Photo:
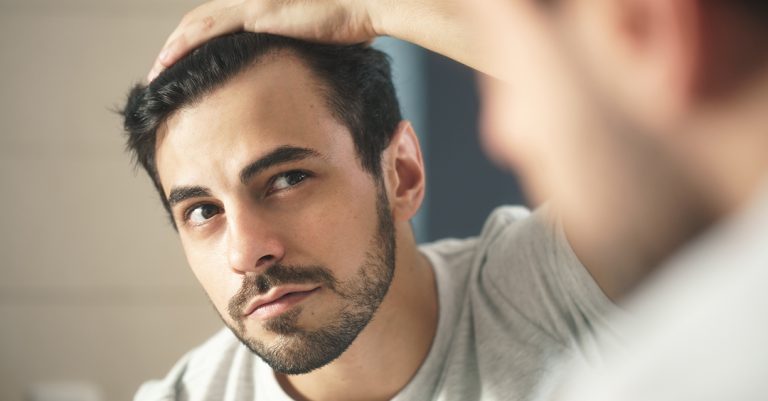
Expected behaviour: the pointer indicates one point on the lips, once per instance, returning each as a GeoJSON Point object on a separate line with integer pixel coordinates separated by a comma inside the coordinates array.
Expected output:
{"type": "Point", "coordinates": [278, 300]}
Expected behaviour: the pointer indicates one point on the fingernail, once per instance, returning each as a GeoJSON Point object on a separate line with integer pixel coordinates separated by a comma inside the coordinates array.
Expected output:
{"type": "Point", "coordinates": [163, 55]}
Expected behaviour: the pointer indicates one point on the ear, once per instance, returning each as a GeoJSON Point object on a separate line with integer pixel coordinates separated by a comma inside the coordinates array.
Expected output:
{"type": "Point", "coordinates": [403, 171]}
{"type": "Point", "coordinates": [648, 55]}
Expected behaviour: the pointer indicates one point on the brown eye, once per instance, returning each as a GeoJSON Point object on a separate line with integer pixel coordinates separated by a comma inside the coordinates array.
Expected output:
{"type": "Point", "coordinates": [202, 213]}
{"type": "Point", "coordinates": [287, 180]}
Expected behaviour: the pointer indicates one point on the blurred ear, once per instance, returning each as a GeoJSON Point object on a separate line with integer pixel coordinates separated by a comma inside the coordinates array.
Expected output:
{"type": "Point", "coordinates": [403, 170]}
{"type": "Point", "coordinates": [644, 53]}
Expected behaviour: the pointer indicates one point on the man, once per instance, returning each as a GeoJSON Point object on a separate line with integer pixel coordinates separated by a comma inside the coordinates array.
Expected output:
{"type": "Point", "coordinates": [291, 179]}
{"type": "Point", "coordinates": [645, 121]}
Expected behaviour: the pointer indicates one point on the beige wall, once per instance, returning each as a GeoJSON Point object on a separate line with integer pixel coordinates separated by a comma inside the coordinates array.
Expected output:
{"type": "Point", "coordinates": [93, 284]}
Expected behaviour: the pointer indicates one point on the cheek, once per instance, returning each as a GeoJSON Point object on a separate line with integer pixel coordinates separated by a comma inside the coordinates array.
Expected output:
{"type": "Point", "coordinates": [495, 124]}
{"type": "Point", "coordinates": [209, 265]}
{"type": "Point", "coordinates": [499, 133]}
{"type": "Point", "coordinates": [510, 134]}
{"type": "Point", "coordinates": [335, 231]}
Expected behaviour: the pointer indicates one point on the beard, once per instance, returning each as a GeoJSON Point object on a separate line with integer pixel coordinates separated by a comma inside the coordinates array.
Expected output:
{"type": "Point", "coordinates": [298, 350]}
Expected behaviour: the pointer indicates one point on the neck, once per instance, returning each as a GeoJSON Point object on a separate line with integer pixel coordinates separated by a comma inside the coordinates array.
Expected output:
{"type": "Point", "coordinates": [646, 206]}
{"type": "Point", "coordinates": [706, 169]}
{"type": "Point", "coordinates": [388, 352]}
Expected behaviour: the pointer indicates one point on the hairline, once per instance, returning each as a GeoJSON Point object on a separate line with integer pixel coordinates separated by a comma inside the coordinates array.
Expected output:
{"type": "Point", "coordinates": [319, 84]}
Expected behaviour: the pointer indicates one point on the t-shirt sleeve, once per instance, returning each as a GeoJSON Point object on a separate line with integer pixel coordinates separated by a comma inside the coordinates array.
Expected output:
{"type": "Point", "coordinates": [530, 270]}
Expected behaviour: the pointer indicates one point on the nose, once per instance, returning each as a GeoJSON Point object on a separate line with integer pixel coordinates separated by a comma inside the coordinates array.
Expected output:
{"type": "Point", "coordinates": [253, 244]}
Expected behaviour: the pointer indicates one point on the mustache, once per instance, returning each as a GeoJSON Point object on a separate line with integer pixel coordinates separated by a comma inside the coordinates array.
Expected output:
{"type": "Point", "coordinates": [276, 275]}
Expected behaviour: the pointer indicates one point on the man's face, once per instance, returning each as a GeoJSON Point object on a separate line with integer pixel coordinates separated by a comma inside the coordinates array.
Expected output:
{"type": "Point", "coordinates": [543, 116]}
{"type": "Point", "coordinates": [291, 239]}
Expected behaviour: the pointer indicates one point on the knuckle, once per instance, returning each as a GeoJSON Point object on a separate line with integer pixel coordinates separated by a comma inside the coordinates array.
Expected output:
{"type": "Point", "coordinates": [208, 22]}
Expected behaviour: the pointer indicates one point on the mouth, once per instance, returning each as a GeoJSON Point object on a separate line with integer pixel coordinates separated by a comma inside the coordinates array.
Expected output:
{"type": "Point", "coordinates": [277, 301]}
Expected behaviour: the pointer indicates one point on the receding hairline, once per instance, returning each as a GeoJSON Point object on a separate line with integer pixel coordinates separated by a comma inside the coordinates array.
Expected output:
{"type": "Point", "coordinates": [272, 55]}
{"type": "Point", "coordinates": [318, 84]}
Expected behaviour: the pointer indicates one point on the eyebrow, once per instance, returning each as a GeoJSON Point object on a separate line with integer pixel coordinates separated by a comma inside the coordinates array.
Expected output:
{"type": "Point", "coordinates": [283, 154]}
{"type": "Point", "coordinates": [180, 194]}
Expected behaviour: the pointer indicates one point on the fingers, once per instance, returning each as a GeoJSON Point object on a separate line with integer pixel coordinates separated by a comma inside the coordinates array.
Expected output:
{"type": "Point", "coordinates": [199, 26]}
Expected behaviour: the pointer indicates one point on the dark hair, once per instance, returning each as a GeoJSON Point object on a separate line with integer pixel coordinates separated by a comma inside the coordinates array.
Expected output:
{"type": "Point", "coordinates": [355, 79]}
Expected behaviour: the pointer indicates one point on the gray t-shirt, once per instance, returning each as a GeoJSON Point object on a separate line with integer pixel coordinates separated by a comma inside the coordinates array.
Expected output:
{"type": "Point", "coordinates": [510, 302]}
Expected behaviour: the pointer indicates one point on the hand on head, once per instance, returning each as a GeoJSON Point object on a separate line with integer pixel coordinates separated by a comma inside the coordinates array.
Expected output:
{"type": "Point", "coordinates": [333, 21]}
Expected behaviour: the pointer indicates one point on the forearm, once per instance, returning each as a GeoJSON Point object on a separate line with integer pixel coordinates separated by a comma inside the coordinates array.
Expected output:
{"type": "Point", "coordinates": [442, 26]}
{"type": "Point", "coordinates": [487, 35]}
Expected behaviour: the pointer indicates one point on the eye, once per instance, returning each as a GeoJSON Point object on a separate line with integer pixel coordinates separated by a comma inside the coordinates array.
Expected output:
{"type": "Point", "coordinates": [200, 214]}
{"type": "Point", "coordinates": [287, 180]}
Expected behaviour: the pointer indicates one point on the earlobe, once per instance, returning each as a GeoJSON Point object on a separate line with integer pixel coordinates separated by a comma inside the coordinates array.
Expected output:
{"type": "Point", "coordinates": [404, 170]}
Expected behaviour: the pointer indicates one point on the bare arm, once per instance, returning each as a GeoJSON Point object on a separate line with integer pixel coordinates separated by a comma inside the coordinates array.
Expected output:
{"type": "Point", "coordinates": [453, 28]}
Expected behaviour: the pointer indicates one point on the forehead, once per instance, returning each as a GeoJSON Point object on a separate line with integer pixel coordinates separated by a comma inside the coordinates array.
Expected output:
{"type": "Point", "coordinates": [276, 102]}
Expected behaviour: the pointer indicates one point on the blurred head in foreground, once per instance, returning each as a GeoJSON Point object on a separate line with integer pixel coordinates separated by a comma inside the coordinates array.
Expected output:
{"type": "Point", "coordinates": [643, 119]}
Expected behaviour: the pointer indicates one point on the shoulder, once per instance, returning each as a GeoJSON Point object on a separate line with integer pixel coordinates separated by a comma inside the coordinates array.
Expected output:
{"type": "Point", "coordinates": [503, 218]}
{"type": "Point", "coordinates": [203, 370]}
{"type": "Point", "coordinates": [515, 238]}
{"type": "Point", "coordinates": [452, 251]}
{"type": "Point", "coordinates": [529, 267]}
